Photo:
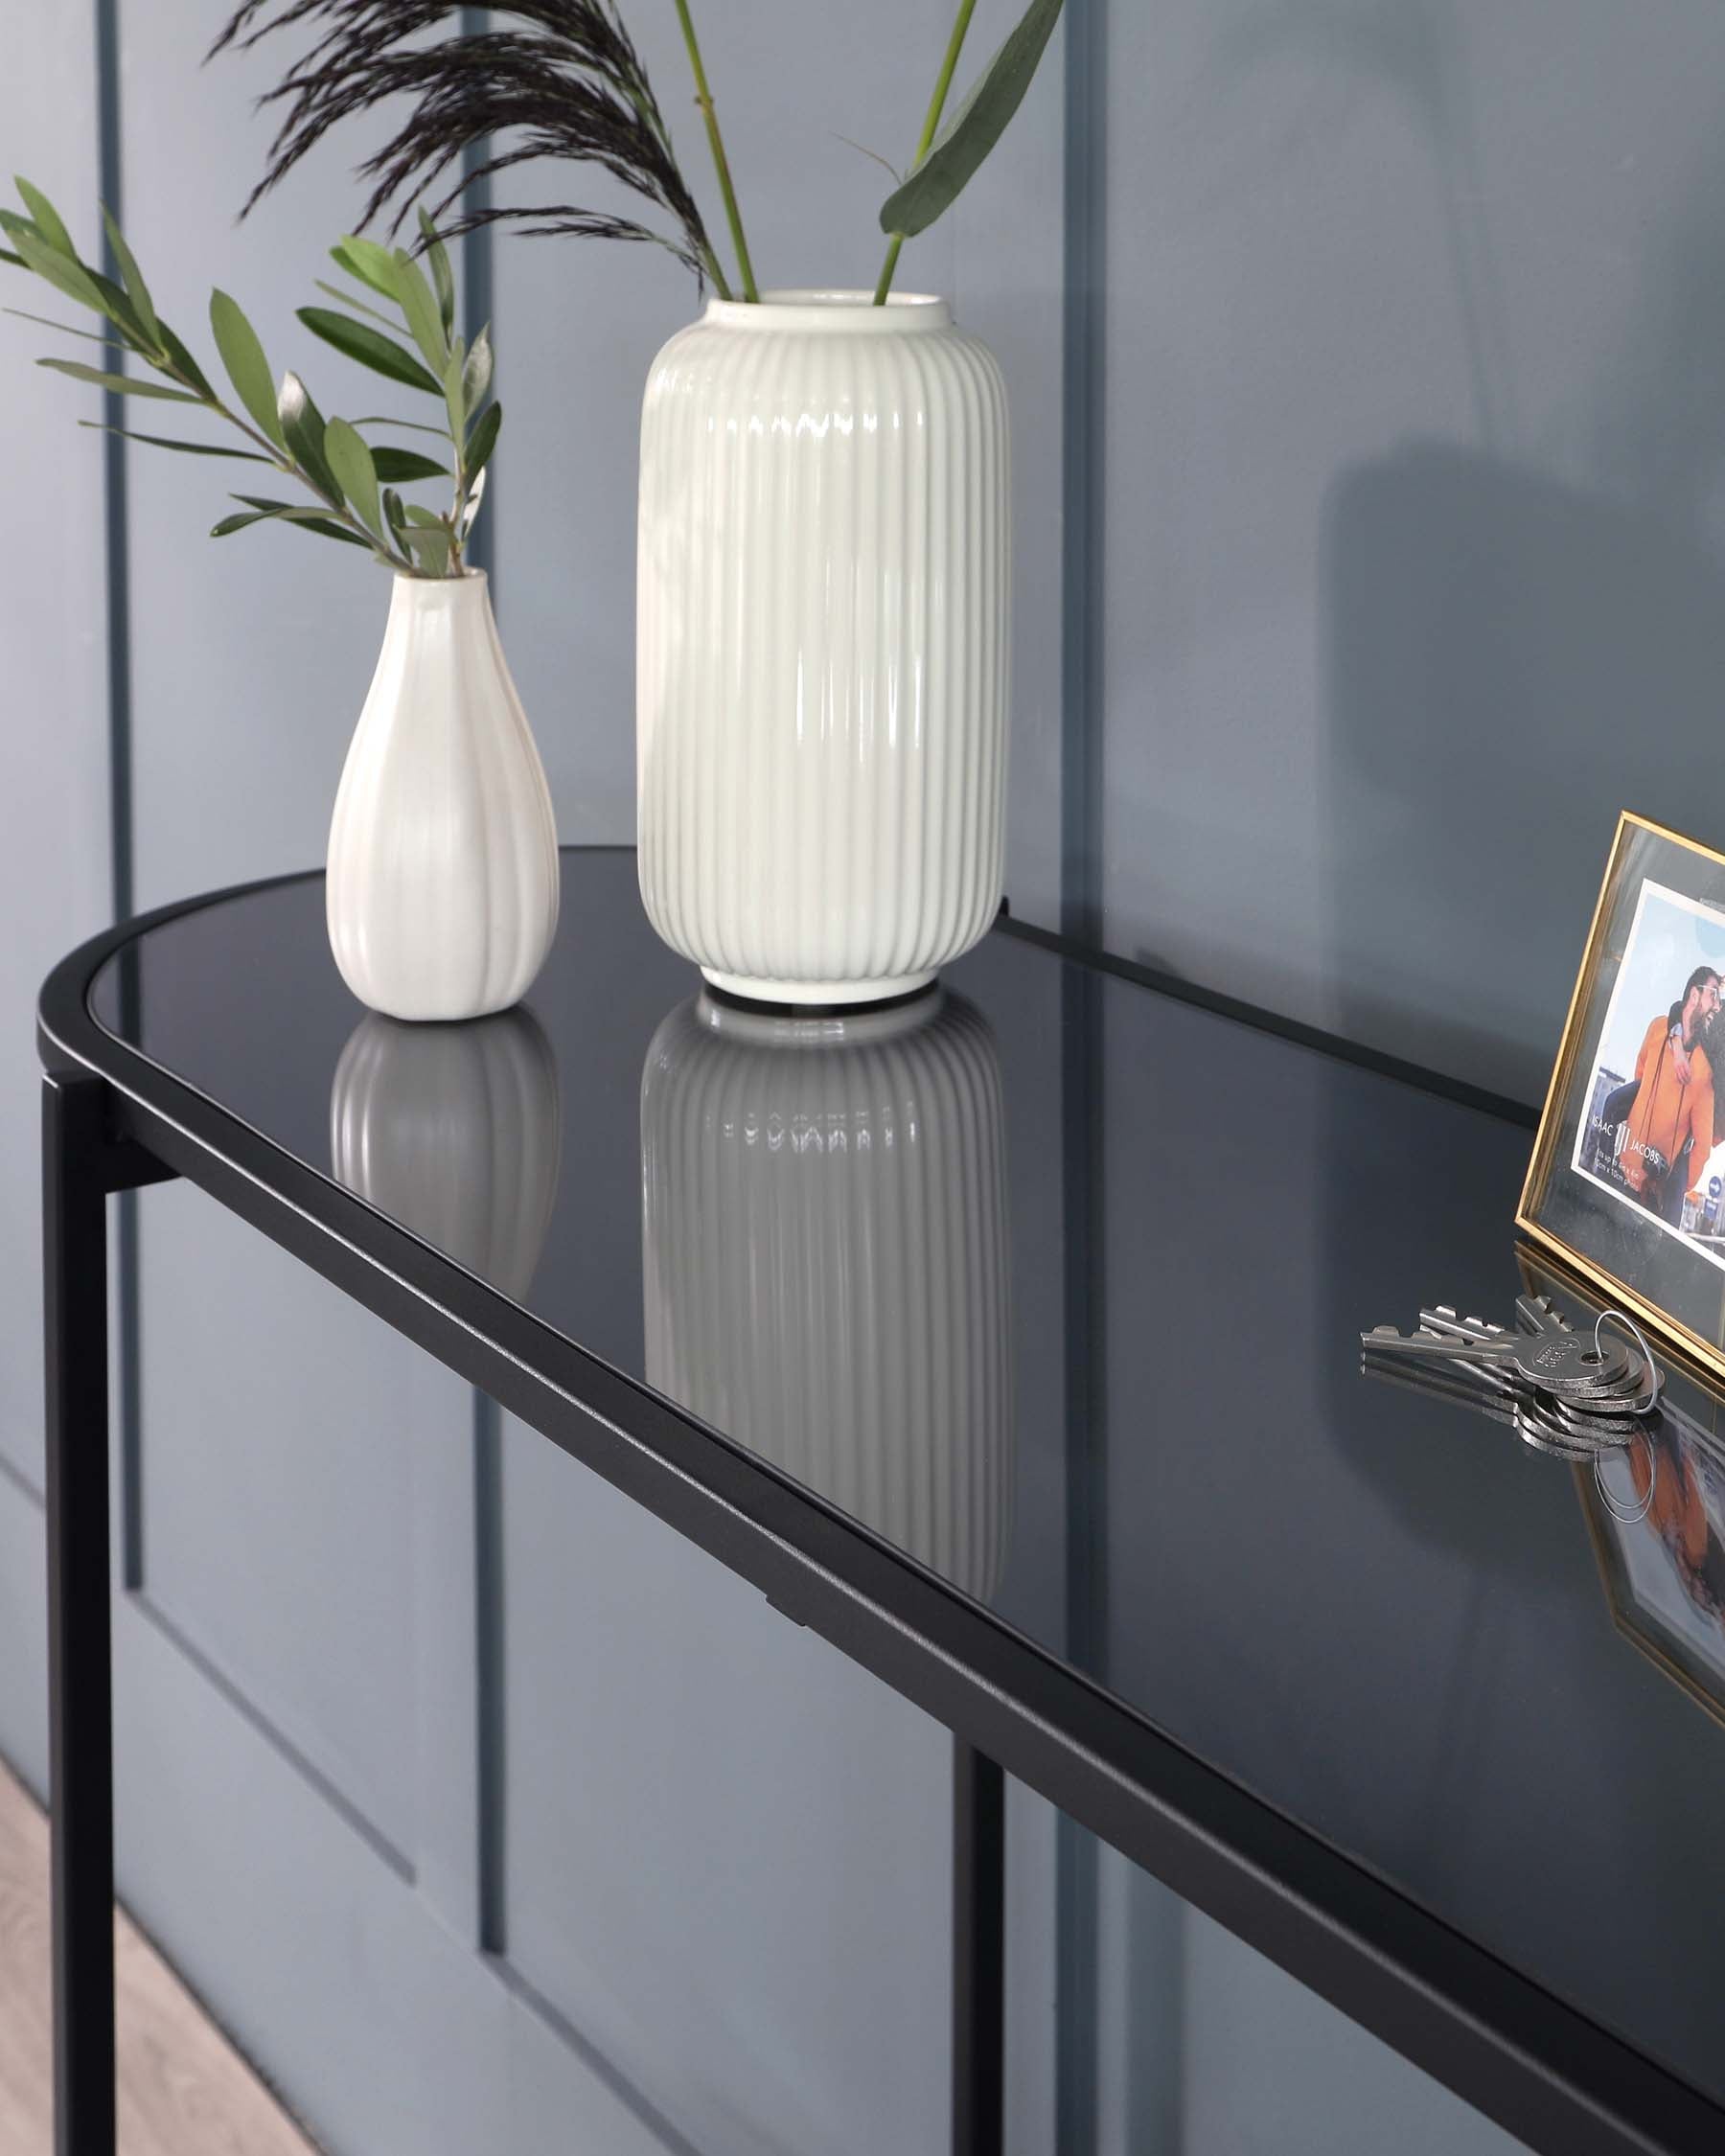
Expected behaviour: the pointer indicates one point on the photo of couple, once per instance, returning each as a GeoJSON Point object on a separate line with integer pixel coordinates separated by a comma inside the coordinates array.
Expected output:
{"type": "Point", "coordinates": [1653, 1132]}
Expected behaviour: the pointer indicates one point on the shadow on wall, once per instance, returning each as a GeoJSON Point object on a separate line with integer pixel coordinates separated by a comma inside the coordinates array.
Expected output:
{"type": "Point", "coordinates": [1509, 662]}
{"type": "Point", "coordinates": [1416, 51]}
{"type": "Point", "coordinates": [1658, 436]}
{"type": "Point", "coordinates": [1511, 659]}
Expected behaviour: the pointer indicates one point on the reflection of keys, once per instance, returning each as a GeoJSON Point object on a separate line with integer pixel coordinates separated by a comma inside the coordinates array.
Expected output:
{"type": "Point", "coordinates": [1439, 1383]}
{"type": "Point", "coordinates": [1501, 1397]}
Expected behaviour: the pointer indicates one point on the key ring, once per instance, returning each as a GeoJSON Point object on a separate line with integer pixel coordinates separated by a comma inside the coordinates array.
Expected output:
{"type": "Point", "coordinates": [1626, 1518]}
{"type": "Point", "coordinates": [1630, 1326]}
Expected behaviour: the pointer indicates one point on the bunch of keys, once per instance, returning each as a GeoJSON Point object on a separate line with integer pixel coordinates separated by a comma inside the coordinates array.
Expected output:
{"type": "Point", "coordinates": [1575, 1394]}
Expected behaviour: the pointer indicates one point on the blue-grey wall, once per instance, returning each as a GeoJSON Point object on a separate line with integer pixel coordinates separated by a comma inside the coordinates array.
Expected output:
{"type": "Point", "coordinates": [1408, 529]}
{"type": "Point", "coordinates": [1367, 363]}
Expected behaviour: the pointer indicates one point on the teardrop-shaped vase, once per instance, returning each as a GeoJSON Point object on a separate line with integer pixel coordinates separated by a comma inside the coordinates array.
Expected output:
{"type": "Point", "coordinates": [442, 889]}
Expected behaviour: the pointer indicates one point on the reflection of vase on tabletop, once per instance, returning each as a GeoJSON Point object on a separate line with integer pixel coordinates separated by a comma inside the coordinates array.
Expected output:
{"type": "Point", "coordinates": [456, 1131]}
{"type": "Point", "coordinates": [825, 1259]}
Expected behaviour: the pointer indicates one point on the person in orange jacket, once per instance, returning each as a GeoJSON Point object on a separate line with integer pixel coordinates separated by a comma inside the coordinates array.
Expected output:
{"type": "Point", "coordinates": [1673, 1103]}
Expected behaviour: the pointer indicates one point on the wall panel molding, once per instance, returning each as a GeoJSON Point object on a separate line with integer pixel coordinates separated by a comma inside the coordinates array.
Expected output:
{"type": "Point", "coordinates": [53, 746]}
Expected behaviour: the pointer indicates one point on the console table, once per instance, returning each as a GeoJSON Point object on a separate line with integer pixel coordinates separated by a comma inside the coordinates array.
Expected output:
{"type": "Point", "coordinates": [1008, 1339]}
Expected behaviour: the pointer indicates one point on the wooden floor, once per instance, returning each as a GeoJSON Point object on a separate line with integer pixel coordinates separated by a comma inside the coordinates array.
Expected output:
{"type": "Point", "coordinates": [183, 2090]}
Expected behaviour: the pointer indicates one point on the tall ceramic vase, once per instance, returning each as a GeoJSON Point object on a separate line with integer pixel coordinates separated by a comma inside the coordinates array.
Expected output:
{"type": "Point", "coordinates": [442, 889]}
{"type": "Point", "coordinates": [822, 655]}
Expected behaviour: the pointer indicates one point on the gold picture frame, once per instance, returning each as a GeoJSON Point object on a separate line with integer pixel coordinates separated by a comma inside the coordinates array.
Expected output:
{"type": "Point", "coordinates": [1662, 902]}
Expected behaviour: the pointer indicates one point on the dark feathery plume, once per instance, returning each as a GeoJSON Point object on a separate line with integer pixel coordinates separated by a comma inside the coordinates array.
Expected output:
{"type": "Point", "coordinates": [566, 83]}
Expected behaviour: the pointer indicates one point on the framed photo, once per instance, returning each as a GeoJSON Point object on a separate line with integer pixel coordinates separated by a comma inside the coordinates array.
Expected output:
{"type": "Point", "coordinates": [1627, 1180]}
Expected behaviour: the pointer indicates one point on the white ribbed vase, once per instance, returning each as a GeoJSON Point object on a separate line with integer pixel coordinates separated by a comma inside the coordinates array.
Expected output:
{"type": "Point", "coordinates": [824, 1257]}
{"type": "Point", "coordinates": [822, 643]}
{"type": "Point", "coordinates": [442, 889]}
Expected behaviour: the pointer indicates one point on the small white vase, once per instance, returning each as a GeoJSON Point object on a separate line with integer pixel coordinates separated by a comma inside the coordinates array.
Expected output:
{"type": "Point", "coordinates": [822, 643]}
{"type": "Point", "coordinates": [442, 885]}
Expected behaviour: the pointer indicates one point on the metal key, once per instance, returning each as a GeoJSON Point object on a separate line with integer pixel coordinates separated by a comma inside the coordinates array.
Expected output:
{"type": "Point", "coordinates": [1444, 1321]}
{"type": "Point", "coordinates": [1553, 1359]}
{"type": "Point", "coordinates": [1592, 1376]}
{"type": "Point", "coordinates": [1539, 1317]}
{"type": "Point", "coordinates": [1635, 1395]}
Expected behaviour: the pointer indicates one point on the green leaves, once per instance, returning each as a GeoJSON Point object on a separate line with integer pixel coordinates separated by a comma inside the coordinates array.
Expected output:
{"type": "Point", "coordinates": [165, 441]}
{"type": "Point", "coordinates": [351, 461]}
{"type": "Point", "coordinates": [365, 260]}
{"type": "Point", "coordinates": [43, 244]}
{"type": "Point", "coordinates": [972, 132]}
{"type": "Point", "coordinates": [477, 374]}
{"type": "Point", "coordinates": [350, 485]}
{"type": "Point", "coordinates": [136, 290]}
{"type": "Point", "coordinates": [184, 365]}
{"type": "Point", "coordinates": [347, 299]}
{"type": "Point", "coordinates": [65, 328]}
{"type": "Point", "coordinates": [413, 295]}
{"type": "Point", "coordinates": [248, 370]}
{"type": "Point", "coordinates": [430, 543]}
{"type": "Point", "coordinates": [443, 277]}
{"type": "Point", "coordinates": [302, 425]}
{"type": "Point", "coordinates": [259, 510]}
{"type": "Point", "coordinates": [453, 402]}
{"type": "Point", "coordinates": [411, 427]}
{"type": "Point", "coordinates": [358, 340]}
{"type": "Point", "coordinates": [404, 465]}
{"type": "Point", "coordinates": [63, 271]}
{"type": "Point", "coordinates": [46, 217]}
{"type": "Point", "coordinates": [238, 524]}
{"type": "Point", "coordinates": [125, 385]}
{"type": "Point", "coordinates": [484, 441]}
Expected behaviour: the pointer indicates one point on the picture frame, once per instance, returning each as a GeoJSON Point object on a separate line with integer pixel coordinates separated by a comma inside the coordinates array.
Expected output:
{"type": "Point", "coordinates": [1626, 1183]}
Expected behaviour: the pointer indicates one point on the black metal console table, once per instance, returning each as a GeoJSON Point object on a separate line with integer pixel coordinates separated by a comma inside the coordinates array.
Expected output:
{"type": "Point", "coordinates": [1007, 1341]}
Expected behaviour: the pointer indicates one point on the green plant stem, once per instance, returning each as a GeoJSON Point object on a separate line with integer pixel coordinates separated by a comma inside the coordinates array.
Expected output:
{"type": "Point", "coordinates": [936, 107]}
{"type": "Point", "coordinates": [887, 269]}
{"type": "Point", "coordinates": [704, 96]}
{"type": "Point", "coordinates": [458, 444]}
{"type": "Point", "coordinates": [715, 269]}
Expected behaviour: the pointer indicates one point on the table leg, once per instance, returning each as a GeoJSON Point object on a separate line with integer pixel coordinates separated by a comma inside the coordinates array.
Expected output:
{"type": "Point", "coordinates": [80, 1734]}
{"type": "Point", "coordinates": [979, 1952]}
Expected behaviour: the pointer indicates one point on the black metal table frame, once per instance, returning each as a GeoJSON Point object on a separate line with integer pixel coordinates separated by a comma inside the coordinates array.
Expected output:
{"type": "Point", "coordinates": [114, 1121]}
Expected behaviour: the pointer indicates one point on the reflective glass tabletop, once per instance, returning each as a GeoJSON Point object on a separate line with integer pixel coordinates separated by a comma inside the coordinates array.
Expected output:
{"type": "Point", "coordinates": [1055, 1281]}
